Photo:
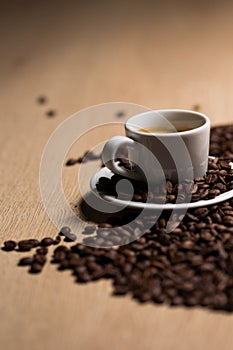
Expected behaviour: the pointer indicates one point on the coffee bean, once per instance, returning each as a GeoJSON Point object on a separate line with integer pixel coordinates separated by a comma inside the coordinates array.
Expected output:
{"type": "Point", "coordinates": [120, 114]}
{"type": "Point", "coordinates": [89, 155]}
{"type": "Point", "coordinates": [39, 258]}
{"type": "Point", "coordinates": [59, 256]}
{"type": "Point", "coordinates": [25, 245]}
{"type": "Point", "coordinates": [35, 268]}
{"type": "Point", "coordinates": [42, 250]}
{"type": "Point", "coordinates": [221, 186]}
{"type": "Point", "coordinates": [65, 230]}
{"type": "Point", "coordinates": [201, 212]}
{"type": "Point", "coordinates": [34, 242]}
{"type": "Point", "coordinates": [42, 100]}
{"type": "Point", "coordinates": [51, 113]}
{"type": "Point", "coordinates": [64, 265]}
{"type": "Point", "coordinates": [89, 230]}
{"type": "Point", "coordinates": [47, 241]}
{"type": "Point", "coordinates": [70, 237]}
{"type": "Point", "coordinates": [105, 225]}
{"type": "Point", "coordinates": [57, 240]}
{"type": "Point", "coordinates": [71, 161]}
{"type": "Point", "coordinates": [61, 248]}
{"type": "Point", "coordinates": [188, 245]}
{"type": "Point", "coordinates": [25, 261]}
{"type": "Point", "coordinates": [9, 245]}
{"type": "Point", "coordinates": [206, 235]}
{"type": "Point", "coordinates": [196, 107]}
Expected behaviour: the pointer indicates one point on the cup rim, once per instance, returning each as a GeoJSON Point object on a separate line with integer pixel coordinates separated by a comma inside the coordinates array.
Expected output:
{"type": "Point", "coordinates": [187, 132]}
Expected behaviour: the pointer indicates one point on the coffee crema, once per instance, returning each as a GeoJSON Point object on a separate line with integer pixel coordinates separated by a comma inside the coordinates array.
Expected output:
{"type": "Point", "coordinates": [164, 130]}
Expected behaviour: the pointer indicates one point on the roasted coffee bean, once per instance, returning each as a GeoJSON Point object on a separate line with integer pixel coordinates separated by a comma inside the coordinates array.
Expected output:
{"type": "Point", "coordinates": [206, 235]}
{"type": "Point", "coordinates": [89, 230]}
{"type": "Point", "coordinates": [47, 241]}
{"type": "Point", "coordinates": [57, 240]}
{"type": "Point", "coordinates": [63, 265]}
{"type": "Point", "coordinates": [34, 242]}
{"type": "Point", "coordinates": [71, 161]}
{"type": "Point", "coordinates": [51, 113]}
{"type": "Point", "coordinates": [59, 256]}
{"type": "Point", "coordinates": [201, 212]}
{"type": "Point", "coordinates": [42, 100]}
{"type": "Point", "coordinates": [81, 160]}
{"type": "Point", "coordinates": [217, 217]}
{"type": "Point", "coordinates": [25, 245]}
{"type": "Point", "coordinates": [42, 250]}
{"type": "Point", "coordinates": [61, 248]}
{"type": "Point", "coordinates": [39, 258]}
{"type": "Point", "coordinates": [89, 155]}
{"type": "Point", "coordinates": [120, 114]}
{"type": "Point", "coordinates": [196, 107]}
{"type": "Point", "coordinates": [105, 225]}
{"type": "Point", "coordinates": [9, 245]}
{"type": "Point", "coordinates": [220, 186]}
{"type": "Point", "coordinates": [26, 261]}
{"type": "Point", "coordinates": [65, 230]}
{"type": "Point", "coordinates": [70, 237]}
{"type": "Point", "coordinates": [36, 268]}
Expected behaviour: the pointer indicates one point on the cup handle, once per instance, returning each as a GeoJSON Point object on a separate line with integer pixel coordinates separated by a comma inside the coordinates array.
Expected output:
{"type": "Point", "coordinates": [109, 156]}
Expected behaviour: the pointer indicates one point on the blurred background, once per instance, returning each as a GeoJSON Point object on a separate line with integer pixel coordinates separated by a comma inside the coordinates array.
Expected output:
{"type": "Point", "coordinates": [161, 54]}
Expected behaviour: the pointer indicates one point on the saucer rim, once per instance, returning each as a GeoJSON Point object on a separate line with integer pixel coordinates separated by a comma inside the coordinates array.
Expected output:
{"type": "Point", "coordinates": [153, 206]}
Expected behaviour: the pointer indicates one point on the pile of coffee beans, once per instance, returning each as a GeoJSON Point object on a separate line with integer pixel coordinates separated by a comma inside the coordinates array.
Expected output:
{"type": "Point", "coordinates": [191, 266]}
{"type": "Point", "coordinates": [221, 144]}
{"type": "Point", "coordinates": [218, 179]}
{"type": "Point", "coordinates": [37, 261]}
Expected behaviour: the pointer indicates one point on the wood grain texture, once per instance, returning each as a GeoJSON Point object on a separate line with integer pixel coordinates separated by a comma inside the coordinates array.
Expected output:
{"type": "Point", "coordinates": [157, 55]}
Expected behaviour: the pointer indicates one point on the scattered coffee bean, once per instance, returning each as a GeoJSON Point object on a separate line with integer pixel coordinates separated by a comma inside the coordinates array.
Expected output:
{"type": "Point", "coordinates": [42, 250]}
{"type": "Point", "coordinates": [41, 100]}
{"type": "Point", "coordinates": [89, 155]}
{"type": "Point", "coordinates": [25, 245]}
{"type": "Point", "coordinates": [65, 230]}
{"type": "Point", "coordinates": [57, 240]}
{"type": "Point", "coordinates": [70, 237]}
{"type": "Point", "coordinates": [39, 258]}
{"type": "Point", "coordinates": [71, 161]}
{"type": "Point", "coordinates": [89, 230]}
{"type": "Point", "coordinates": [47, 241]}
{"type": "Point", "coordinates": [51, 113]}
{"type": "Point", "coordinates": [196, 107]}
{"type": "Point", "coordinates": [25, 261]}
{"type": "Point", "coordinates": [36, 268]}
{"type": "Point", "coordinates": [9, 245]}
{"type": "Point", "coordinates": [120, 114]}
{"type": "Point", "coordinates": [34, 242]}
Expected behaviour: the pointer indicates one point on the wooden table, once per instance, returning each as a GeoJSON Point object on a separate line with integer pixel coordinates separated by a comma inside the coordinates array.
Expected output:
{"type": "Point", "coordinates": [159, 56]}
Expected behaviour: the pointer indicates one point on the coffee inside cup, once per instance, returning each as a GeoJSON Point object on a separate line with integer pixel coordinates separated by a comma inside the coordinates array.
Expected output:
{"type": "Point", "coordinates": [165, 130]}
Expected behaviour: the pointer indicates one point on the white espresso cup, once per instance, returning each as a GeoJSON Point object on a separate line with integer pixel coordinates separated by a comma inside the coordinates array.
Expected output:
{"type": "Point", "coordinates": [170, 143]}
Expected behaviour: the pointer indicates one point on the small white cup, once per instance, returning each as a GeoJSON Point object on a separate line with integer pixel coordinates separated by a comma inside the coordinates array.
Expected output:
{"type": "Point", "coordinates": [180, 155]}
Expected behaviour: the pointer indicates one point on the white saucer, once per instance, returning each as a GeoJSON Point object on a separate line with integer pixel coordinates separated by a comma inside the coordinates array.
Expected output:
{"type": "Point", "coordinates": [105, 172]}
